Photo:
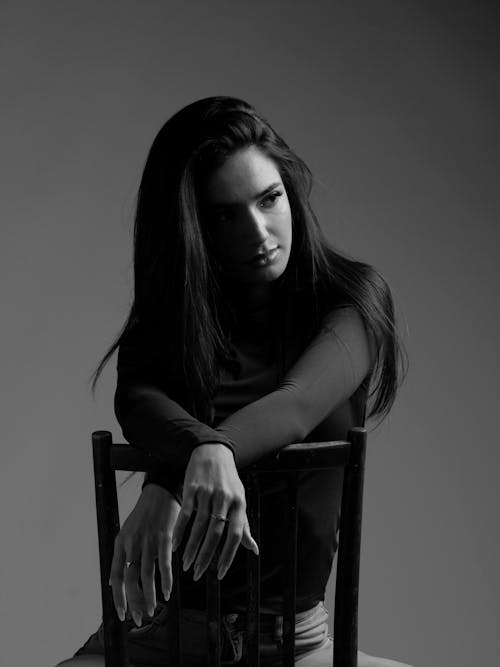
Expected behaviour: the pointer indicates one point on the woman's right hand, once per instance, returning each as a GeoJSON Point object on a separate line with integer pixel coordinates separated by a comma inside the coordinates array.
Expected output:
{"type": "Point", "coordinates": [146, 534]}
{"type": "Point", "coordinates": [214, 492]}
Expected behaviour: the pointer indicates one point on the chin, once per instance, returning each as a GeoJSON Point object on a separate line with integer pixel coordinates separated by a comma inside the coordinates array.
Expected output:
{"type": "Point", "coordinates": [266, 275]}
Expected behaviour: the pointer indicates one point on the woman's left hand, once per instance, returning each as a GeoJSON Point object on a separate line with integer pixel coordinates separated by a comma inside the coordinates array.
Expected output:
{"type": "Point", "coordinates": [214, 491]}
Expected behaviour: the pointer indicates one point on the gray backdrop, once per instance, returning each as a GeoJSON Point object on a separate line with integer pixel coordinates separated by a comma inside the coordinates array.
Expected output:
{"type": "Point", "coordinates": [394, 105]}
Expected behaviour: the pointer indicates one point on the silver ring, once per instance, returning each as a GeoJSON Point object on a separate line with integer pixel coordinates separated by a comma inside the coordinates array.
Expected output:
{"type": "Point", "coordinates": [129, 563]}
{"type": "Point", "coordinates": [219, 517]}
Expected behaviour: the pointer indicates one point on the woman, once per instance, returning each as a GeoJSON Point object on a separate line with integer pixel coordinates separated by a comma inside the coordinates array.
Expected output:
{"type": "Point", "coordinates": [247, 333]}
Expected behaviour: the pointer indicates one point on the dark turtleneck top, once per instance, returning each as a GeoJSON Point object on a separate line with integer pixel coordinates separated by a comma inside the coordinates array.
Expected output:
{"type": "Point", "coordinates": [254, 413]}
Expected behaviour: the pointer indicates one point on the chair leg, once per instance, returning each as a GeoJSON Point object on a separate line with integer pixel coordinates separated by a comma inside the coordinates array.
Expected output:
{"type": "Point", "coordinates": [108, 525]}
{"type": "Point", "coordinates": [345, 633]}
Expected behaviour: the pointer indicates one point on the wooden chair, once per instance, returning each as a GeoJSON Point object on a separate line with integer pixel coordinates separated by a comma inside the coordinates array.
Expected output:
{"type": "Point", "coordinates": [350, 455]}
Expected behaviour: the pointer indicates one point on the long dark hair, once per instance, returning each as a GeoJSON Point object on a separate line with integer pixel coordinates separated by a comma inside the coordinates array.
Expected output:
{"type": "Point", "coordinates": [178, 289]}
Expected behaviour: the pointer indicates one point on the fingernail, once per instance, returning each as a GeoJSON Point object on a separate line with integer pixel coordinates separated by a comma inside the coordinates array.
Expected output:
{"type": "Point", "coordinates": [185, 564]}
{"type": "Point", "coordinates": [151, 611]}
{"type": "Point", "coordinates": [221, 572]}
{"type": "Point", "coordinates": [166, 594]}
{"type": "Point", "coordinates": [121, 613]}
{"type": "Point", "coordinates": [256, 550]}
{"type": "Point", "coordinates": [137, 618]}
{"type": "Point", "coordinates": [197, 573]}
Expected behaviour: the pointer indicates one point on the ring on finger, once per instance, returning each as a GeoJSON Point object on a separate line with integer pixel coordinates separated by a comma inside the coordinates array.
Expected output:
{"type": "Point", "coordinates": [129, 563]}
{"type": "Point", "coordinates": [219, 517]}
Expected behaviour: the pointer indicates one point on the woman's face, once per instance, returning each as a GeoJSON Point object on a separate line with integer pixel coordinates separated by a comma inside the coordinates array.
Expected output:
{"type": "Point", "coordinates": [248, 217]}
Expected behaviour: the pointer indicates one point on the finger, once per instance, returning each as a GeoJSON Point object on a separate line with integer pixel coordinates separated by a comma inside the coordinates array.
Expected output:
{"type": "Point", "coordinates": [215, 531]}
{"type": "Point", "coordinates": [116, 579]}
{"type": "Point", "coordinates": [187, 509]}
{"type": "Point", "coordinates": [234, 534]}
{"type": "Point", "coordinates": [247, 540]}
{"type": "Point", "coordinates": [147, 579]}
{"type": "Point", "coordinates": [198, 530]}
{"type": "Point", "coordinates": [134, 595]}
{"type": "Point", "coordinates": [165, 564]}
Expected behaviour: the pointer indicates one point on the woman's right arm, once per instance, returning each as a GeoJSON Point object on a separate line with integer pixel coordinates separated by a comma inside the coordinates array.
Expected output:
{"type": "Point", "coordinates": [197, 454]}
{"type": "Point", "coordinates": [149, 418]}
{"type": "Point", "coordinates": [146, 536]}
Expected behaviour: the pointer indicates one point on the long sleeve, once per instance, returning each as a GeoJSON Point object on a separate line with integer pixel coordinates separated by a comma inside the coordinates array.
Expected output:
{"type": "Point", "coordinates": [327, 373]}
{"type": "Point", "coordinates": [150, 419]}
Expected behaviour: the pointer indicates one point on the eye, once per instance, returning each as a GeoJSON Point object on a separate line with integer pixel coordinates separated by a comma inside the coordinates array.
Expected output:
{"type": "Point", "coordinates": [270, 200]}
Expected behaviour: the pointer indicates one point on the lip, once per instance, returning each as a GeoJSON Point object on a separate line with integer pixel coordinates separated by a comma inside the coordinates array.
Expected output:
{"type": "Point", "coordinates": [264, 258]}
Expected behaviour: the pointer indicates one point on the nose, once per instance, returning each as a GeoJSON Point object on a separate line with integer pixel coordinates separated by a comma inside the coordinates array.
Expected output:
{"type": "Point", "coordinates": [256, 231]}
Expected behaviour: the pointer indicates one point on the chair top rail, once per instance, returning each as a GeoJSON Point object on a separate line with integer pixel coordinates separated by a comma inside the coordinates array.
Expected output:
{"type": "Point", "coordinates": [305, 455]}
{"type": "Point", "coordinates": [298, 456]}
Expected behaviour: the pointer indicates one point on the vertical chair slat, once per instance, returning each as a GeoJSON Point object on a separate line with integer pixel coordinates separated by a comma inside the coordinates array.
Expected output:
{"type": "Point", "coordinates": [213, 613]}
{"type": "Point", "coordinates": [253, 571]}
{"type": "Point", "coordinates": [173, 616]}
{"type": "Point", "coordinates": [289, 597]}
{"type": "Point", "coordinates": [108, 525]}
{"type": "Point", "coordinates": [345, 632]}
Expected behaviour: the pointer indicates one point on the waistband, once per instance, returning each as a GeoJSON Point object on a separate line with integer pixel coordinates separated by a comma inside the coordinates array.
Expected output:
{"type": "Point", "coordinates": [307, 623]}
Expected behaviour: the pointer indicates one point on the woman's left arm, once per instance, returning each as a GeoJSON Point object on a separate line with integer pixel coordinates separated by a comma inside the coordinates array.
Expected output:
{"type": "Point", "coordinates": [327, 373]}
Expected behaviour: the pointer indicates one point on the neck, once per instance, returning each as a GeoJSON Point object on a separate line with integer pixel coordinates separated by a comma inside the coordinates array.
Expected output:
{"type": "Point", "coordinates": [249, 298]}
{"type": "Point", "coordinates": [256, 296]}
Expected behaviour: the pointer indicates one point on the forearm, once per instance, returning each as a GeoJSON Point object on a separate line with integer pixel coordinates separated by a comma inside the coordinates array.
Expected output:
{"type": "Point", "coordinates": [152, 418]}
{"type": "Point", "coordinates": [325, 376]}
{"type": "Point", "coordinates": [151, 421]}
{"type": "Point", "coordinates": [262, 427]}
{"type": "Point", "coordinates": [167, 482]}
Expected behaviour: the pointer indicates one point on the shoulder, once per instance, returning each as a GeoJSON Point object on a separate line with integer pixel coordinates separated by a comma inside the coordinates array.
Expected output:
{"type": "Point", "coordinates": [344, 326]}
{"type": "Point", "coordinates": [340, 315]}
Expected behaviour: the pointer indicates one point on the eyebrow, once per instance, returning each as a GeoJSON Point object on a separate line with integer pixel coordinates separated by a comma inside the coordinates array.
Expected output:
{"type": "Point", "coordinates": [264, 192]}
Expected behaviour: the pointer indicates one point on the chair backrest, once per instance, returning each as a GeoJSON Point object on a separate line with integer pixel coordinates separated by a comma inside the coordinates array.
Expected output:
{"type": "Point", "coordinates": [289, 461]}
